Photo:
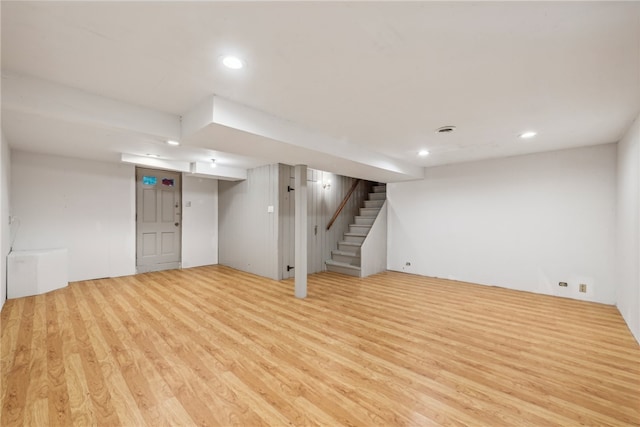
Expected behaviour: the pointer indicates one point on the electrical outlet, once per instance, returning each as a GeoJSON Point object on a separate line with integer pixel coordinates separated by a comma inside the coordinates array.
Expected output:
{"type": "Point", "coordinates": [408, 264]}
{"type": "Point", "coordinates": [583, 287]}
{"type": "Point", "coordinates": [563, 284]}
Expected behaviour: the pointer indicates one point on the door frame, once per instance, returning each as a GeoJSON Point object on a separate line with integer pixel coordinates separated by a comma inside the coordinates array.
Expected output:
{"type": "Point", "coordinates": [166, 266]}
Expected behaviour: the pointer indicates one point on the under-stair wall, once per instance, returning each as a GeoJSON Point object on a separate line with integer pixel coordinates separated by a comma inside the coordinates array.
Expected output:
{"type": "Point", "coordinates": [373, 253]}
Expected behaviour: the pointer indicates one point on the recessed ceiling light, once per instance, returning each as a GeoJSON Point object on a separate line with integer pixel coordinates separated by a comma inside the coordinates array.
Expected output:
{"type": "Point", "coordinates": [528, 134]}
{"type": "Point", "coordinates": [233, 62]}
{"type": "Point", "coordinates": [423, 153]}
{"type": "Point", "coordinates": [213, 163]}
{"type": "Point", "coordinates": [171, 142]}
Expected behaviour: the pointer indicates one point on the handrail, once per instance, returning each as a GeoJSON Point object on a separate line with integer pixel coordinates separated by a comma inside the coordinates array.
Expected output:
{"type": "Point", "coordinates": [344, 203]}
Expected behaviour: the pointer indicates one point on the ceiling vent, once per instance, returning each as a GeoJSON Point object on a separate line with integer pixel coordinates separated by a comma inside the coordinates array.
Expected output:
{"type": "Point", "coordinates": [446, 129]}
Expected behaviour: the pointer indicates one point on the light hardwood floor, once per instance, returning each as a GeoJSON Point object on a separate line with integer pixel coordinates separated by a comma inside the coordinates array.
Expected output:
{"type": "Point", "coordinates": [214, 346]}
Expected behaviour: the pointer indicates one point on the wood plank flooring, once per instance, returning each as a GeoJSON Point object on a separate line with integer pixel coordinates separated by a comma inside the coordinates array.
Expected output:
{"type": "Point", "coordinates": [214, 346]}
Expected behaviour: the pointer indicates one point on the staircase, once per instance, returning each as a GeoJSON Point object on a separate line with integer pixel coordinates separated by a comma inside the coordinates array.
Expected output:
{"type": "Point", "coordinates": [346, 259]}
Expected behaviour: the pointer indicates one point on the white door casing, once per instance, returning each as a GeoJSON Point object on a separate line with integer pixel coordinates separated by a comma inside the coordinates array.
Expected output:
{"type": "Point", "coordinates": [158, 220]}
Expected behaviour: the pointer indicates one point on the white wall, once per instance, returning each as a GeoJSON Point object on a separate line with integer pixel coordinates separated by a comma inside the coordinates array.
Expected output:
{"type": "Point", "coordinates": [248, 233]}
{"type": "Point", "coordinates": [628, 250]}
{"type": "Point", "coordinates": [199, 221]}
{"type": "Point", "coordinates": [5, 227]}
{"type": "Point", "coordinates": [525, 222]}
{"type": "Point", "coordinates": [85, 206]}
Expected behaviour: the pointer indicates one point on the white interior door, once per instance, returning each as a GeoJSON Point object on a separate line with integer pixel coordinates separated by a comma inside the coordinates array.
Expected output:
{"type": "Point", "coordinates": [158, 220]}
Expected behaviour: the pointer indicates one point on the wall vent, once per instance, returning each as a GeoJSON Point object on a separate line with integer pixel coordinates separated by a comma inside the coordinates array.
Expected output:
{"type": "Point", "coordinates": [446, 129]}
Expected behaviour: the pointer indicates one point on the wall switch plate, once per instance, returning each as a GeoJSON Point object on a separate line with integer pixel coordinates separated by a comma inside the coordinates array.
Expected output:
{"type": "Point", "coordinates": [563, 284]}
{"type": "Point", "coordinates": [269, 209]}
{"type": "Point", "coordinates": [583, 287]}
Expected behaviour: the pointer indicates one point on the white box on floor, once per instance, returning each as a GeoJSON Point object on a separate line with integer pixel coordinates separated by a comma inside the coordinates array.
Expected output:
{"type": "Point", "coordinates": [36, 272]}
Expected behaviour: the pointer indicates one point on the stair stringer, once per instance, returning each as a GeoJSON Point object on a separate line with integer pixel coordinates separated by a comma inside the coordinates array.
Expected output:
{"type": "Point", "coordinates": [373, 252]}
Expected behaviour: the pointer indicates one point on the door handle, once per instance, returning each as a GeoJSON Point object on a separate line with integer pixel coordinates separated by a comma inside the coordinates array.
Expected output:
{"type": "Point", "coordinates": [176, 224]}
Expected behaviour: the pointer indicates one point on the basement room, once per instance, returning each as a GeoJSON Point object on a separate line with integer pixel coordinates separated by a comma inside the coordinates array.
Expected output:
{"type": "Point", "coordinates": [307, 213]}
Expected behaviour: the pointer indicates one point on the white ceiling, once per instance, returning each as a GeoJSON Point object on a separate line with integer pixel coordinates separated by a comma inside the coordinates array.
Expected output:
{"type": "Point", "coordinates": [377, 75]}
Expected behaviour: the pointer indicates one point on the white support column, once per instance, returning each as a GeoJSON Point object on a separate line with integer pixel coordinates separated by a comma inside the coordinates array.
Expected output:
{"type": "Point", "coordinates": [301, 231]}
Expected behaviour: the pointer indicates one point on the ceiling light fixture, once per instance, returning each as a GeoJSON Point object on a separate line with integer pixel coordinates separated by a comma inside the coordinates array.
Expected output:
{"type": "Point", "coordinates": [423, 153]}
{"type": "Point", "coordinates": [171, 142]}
{"type": "Point", "coordinates": [233, 62]}
{"type": "Point", "coordinates": [528, 134]}
{"type": "Point", "coordinates": [213, 163]}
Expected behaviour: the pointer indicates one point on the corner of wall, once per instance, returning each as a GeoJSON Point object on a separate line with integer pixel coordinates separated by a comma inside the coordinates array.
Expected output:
{"type": "Point", "coordinates": [5, 229]}
{"type": "Point", "coordinates": [628, 229]}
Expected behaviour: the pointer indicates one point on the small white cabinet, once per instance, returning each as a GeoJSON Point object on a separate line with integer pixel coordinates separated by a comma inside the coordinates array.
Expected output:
{"type": "Point", "coordinates": [36, 272]}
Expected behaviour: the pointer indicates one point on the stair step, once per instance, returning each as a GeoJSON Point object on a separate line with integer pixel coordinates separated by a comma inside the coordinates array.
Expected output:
{"type": "Point", "coordinates": [350, 258]}
{"type": "Point", "coordinates": [352, 247]}
{"type": "Point", "coordinates": [359, 229]}
{"type": "Point", "coordinates": [345, 253]}
{"type": "Point", "coordinates": [377, 196]}
{"type": "Point", "coordinates": [365, 220]}
{"type": "Point", "coordinates": [369, 212]}
{"type": "Point", "coordinates": [340, 267]}
{"type": "Point", "coordinates": [379, 188]}
{"type": "Point", "coordinates": [354, 237]}
{"type": "Point", "coordinates": [373, 203]}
